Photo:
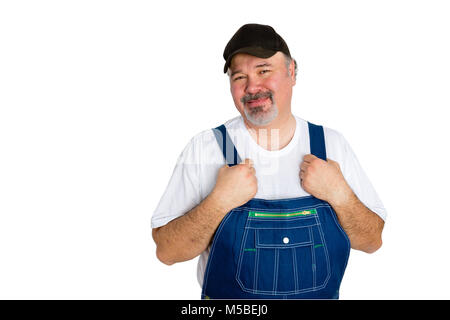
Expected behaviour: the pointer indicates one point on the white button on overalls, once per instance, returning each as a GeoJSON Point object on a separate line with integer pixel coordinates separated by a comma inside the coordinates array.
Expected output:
{"type": "Point", "coordinates": [286, 240]}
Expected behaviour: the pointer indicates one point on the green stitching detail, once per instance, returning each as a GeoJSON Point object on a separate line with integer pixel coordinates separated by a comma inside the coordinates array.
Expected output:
{"type": "Point", "coordinates": [250, 250]}
{"type": "Point", "coordinates": [254, 214]}
{"type": "Point", "coordinates": [318, 246]}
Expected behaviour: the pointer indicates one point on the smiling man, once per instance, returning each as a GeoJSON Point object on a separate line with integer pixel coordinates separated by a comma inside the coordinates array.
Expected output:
{"type": "Point", "coordinates": [280, 223]}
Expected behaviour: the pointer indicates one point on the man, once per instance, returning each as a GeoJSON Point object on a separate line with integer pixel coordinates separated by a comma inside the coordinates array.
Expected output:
{"type": "Point", "coordinates": [280, 223]}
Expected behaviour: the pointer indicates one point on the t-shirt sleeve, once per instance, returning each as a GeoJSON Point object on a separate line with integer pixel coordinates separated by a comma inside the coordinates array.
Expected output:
{"type": "Point", "coordinates": [355, 175]}
{"type": "Point", "coordinates": [183, 190]}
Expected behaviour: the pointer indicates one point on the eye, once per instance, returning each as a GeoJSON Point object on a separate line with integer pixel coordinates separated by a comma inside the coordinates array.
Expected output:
{"type": "Point", "coordinates": [238, 78]}
{"type": "Point", "coordinates": [264, 71]}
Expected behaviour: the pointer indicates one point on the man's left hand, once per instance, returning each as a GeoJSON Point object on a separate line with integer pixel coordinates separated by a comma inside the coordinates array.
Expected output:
{"type": "Point", "coordinates": [324, 180]}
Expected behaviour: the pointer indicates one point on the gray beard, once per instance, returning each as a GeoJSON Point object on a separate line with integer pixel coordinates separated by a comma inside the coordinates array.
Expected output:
{"type": "Point", "coordinates": [258, 117]}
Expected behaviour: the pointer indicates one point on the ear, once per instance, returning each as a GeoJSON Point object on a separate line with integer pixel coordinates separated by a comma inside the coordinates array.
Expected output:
{"type": "Point", "coordinates": [292, 71]}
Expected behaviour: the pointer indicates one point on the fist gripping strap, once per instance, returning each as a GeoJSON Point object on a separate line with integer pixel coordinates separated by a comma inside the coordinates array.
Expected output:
{"type": "Point", "coordinates": [228, 149]}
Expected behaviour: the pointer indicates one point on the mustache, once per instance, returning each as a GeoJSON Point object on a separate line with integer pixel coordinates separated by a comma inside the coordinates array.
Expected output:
{"type": "Point", "coordinates": [259, 95]}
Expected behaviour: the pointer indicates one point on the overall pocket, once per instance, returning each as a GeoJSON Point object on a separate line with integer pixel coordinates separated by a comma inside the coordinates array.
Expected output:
{"type": "Point", "coordinates": [283, 253]}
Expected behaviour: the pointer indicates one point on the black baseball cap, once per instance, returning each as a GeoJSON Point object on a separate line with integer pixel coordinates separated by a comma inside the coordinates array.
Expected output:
{"type": "Point", "coordinates": [255, 39]}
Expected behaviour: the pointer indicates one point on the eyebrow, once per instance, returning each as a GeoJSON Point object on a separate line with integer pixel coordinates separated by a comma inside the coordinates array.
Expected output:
{"type": "Point", "coordinates": [234, 72]}
{"type": "Point", "coordinates": [257, 66]}
{"type": "Point", "coordinates": [263, 65]}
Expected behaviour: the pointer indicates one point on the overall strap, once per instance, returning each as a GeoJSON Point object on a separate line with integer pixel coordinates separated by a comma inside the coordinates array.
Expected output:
{"type": "Point", "coordinates": [228, 149]}
{"type": "Point", "coordinates": [317, 141]}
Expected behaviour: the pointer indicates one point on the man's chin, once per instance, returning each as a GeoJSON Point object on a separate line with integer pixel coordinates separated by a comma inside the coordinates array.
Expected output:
{"type": "Point", "coordinates": [260, 117]}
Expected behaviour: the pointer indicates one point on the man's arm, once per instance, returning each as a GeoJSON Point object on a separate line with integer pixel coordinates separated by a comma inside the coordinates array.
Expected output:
{"type": "Point", "coordinates": [363, 226]}
{"type": "Point", "coordinates": [324, 180]}
{"type": "Point", "coordinates": [186, 237]}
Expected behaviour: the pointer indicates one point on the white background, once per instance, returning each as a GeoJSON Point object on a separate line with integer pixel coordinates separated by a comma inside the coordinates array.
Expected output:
{"type": "Point", "coordinates": [98, 98]}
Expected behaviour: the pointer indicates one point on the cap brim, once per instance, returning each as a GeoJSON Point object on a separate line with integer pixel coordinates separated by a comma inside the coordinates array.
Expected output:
{"type": "Point", "coordinates": [254, 51]}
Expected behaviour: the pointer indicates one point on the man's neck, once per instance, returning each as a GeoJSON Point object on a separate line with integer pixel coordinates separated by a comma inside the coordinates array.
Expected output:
{"type": "Point", "coordinates": [274, 136]}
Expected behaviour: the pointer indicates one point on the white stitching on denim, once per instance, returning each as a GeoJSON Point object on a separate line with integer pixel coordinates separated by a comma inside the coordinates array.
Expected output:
{"type": "Point", "coordinates": [281, 210]}
{"type": "Point", "coordinates": [294, 259]}
{"type": "Point", "coordinates": [255, 290]}
{"type": "Point", "coordinates": [241, 256]}
{"type": "Point", "coordinates": [275, 272]}
{"type": "Point", "coordinates": [293, 219]}
{"type": "Point", "coordinates": [327, 258]}
{"type": "Point", "coordinates": [256, 269]}
{"type": "Point", "coordinates": [282, 228]}
{"type": "Point", "coordinates": [313, 259]}
{"type": "Point", "coordinates": [284, 246]}
{"type": "Point", "coordinates": [320, 231]}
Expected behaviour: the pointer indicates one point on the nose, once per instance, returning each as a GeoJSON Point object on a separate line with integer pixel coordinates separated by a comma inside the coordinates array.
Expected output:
{"type": "Point", "coordinates": [253, 85]}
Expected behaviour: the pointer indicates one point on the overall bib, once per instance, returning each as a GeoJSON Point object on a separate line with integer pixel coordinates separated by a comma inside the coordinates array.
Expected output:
{"type": "Point", "coordinates": [277, 249]}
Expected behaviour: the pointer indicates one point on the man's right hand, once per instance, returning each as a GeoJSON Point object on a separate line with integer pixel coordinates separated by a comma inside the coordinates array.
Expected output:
{"type": "Point", "coordinates": [235, 185]}
{"type": "Point", "coordinates": [186, 237]}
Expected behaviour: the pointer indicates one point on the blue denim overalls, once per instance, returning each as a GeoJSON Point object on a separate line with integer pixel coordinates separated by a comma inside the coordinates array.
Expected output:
{"type": "Point", "coordinates": [277, 249]}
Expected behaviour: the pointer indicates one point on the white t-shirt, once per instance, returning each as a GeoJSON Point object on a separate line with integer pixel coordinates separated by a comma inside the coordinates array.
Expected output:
{"type": "Point", "coordinates": [277, 172]}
